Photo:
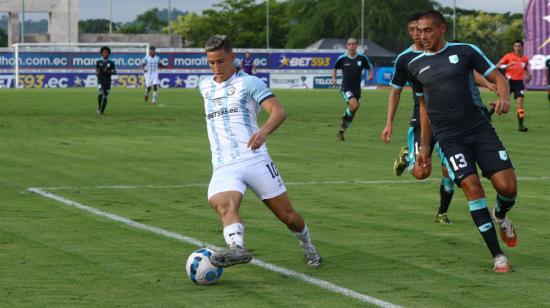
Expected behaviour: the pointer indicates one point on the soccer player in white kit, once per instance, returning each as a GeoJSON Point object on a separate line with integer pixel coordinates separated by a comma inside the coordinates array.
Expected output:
{"type": "Point", "coordinates": [151, 65]}
{"type": "Point", "coordinates": [232, 102]}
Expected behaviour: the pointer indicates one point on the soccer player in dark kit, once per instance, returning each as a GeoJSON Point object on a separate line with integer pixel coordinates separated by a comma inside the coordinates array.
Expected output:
{"type": "Point", "coordinates": [352, 64]}
{"type": "Point", "coordinates": [451, 106]}
{"type": "Point", "coordinates": [104, 69]}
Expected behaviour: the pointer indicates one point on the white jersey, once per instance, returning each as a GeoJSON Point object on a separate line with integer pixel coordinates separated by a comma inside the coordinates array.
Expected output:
{"type": "Point", "coordinates": [231, 109]}
{"type": "Point", "coordinates": [151, 65]}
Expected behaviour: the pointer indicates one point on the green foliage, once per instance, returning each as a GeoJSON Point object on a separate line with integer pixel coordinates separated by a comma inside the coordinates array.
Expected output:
{"type": "Point", "coordinates": [493, 33]}
{"type": "Point", "coordinates": [95, 26]}
{"type": "Point", "coordinates": [385, 21]}
{"type": "Point", "coordinates": [243, 20]}
{"type": "Point", "coordinates": [3, 38]}
{"type": "Point", "coordinates": [148, 22]}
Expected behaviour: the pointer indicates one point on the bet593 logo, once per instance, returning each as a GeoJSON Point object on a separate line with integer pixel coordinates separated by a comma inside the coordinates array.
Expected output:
{"type": "Point", "coordinates": [304, 61]}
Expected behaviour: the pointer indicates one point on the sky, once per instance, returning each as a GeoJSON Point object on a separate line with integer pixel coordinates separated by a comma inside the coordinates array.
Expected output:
{"type": "Point", "coordinates": [127, 10]}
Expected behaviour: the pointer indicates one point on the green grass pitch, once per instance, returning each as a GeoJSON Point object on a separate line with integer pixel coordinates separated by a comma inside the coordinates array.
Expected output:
{"type": "Point", "coordinates": [378, 239]}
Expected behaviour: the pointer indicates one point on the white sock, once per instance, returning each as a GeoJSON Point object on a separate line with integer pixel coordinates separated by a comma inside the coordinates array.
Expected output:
{"type": "Point", "coordinates": [155, 94]}
{"type": "Point", "coordinates": [234, 235]}
{"type": "Point", "coordinates": [304, 237]}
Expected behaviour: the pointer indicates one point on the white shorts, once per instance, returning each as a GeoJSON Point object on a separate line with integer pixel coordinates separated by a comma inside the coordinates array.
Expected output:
{"type": "Point", "coordinates": [260, 174]}
{"type": "Point", "coordinates": [151, 80]}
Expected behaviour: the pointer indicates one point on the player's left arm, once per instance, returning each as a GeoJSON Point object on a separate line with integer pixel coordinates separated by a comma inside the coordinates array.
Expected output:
{"type": "Point", "coordinates": [277, 115]}
{"type": "Point", "coordinates": [503, 90]}
{"type": "Point", "coordinates": [368, 65]}
{"type": "Point", "coordinates": [482, 64]}
{"type": "Point", "coordinates": [482, 81]}
{"type": "Point", "coordinates": [527, 72]}
{"type": "Point", "coordinates": [113, 68]}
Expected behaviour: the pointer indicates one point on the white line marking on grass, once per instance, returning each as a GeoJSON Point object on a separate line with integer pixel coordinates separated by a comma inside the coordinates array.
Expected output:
{"type": "Point", "coordinates": [182, 238]}
{"type": "Point", "coordinates": [335, 182]}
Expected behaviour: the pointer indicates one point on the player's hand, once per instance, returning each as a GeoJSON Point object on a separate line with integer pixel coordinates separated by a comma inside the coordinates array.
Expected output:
{"type": "Point", "coordinates": [528, 79]}
{"type": "Point", "coordinates": [386, 133]}
{"type": "Point", "coordinates": [491, 86]}
{"type": "Point", "coordinates": [369, 78]}
{"type": "Point", "coordinates": [256, 140]}
{"type": "Point", "coordinates": [502, 106]}
{"type": "Point", "coordinates": [423, 158]}
{"type": "Point", "coordinates": [334, 81]}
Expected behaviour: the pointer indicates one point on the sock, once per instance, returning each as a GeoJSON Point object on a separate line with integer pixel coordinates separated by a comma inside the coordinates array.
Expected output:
{"type": "Point", "coordinates": [304, 237]}
{"type": "Point", "coordinates": [521, 116]}
{"type": "Point", "coordinates": [446, 191]}
{"type": "Point", "coordinates": [504, 204]}
{"type": "Point", "coordinates": [234, 235]}
{"type": "Point", "coordinates": [347, 118]}
{"type": "Point", "coordinates": [482, 219]}
{"type": "Point", "coordinates": [155, 95]}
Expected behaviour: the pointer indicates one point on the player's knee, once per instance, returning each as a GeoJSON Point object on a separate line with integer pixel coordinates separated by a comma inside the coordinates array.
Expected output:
{"type": "Point", "coordinates": [155, 87]}
{"type": "Point", "coordinates": [507, 188]}
{"type": "Point", "coordinates": [472, 187]}
{"type": "Point", "coordinates": [421, 173]}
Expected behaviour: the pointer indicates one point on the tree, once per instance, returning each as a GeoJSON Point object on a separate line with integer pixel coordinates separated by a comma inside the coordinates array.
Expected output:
{"type": "Point", "coordinates": [148, 22]}
{"type": "Point", "coordinates": [493, 33]}
{"type": "Point", "coordinates": [3, 38]}
{"type": "Point", "coordinates": [385, 21]}
{"type": "Point", "coordinates": [94, 26]}
{"type": "Point", "coordinates": [242, 20]}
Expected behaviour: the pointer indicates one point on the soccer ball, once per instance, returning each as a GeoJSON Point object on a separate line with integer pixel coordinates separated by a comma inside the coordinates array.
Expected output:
{"type": "Point", "coordinates": [200, 270]}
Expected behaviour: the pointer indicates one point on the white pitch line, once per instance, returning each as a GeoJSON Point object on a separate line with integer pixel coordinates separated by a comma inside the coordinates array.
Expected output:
{"type": "Point", "coordinates": [336, 182]}
{"type": "Point", "coordinates": [182, 238]}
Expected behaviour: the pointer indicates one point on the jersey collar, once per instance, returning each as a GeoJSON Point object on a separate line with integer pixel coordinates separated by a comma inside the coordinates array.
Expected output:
{"type": "Point", "coordinates": [440, 51]}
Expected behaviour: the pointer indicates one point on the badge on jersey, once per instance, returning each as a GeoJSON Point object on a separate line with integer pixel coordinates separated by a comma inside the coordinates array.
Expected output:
{"type": "Point", "coordinates": [359, 63]}
{"type": "Point", "coordinates": [503, 155]}
{"type": "Point", "coordinates": [453, 59]}
{"type": "Point", "coordinates": [231, 91]}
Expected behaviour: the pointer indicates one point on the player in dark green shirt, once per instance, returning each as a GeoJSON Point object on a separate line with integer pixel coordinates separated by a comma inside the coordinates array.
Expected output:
{"type": "Point", "coordinates": [104, 68]}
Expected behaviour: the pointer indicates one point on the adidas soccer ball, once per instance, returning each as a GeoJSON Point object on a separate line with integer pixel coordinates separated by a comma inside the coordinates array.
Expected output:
{"type": "Point", "coordinates": [200, 270]}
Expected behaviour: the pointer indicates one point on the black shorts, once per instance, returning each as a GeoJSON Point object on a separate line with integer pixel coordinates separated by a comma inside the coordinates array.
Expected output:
{"type": "Point", "coordinates": [348, 94]}
{"type": "Point", "coordinates": [482, 147]}
{"type": "Point", "coordinates": [516, 87]}
{"type": "Point", "coordinates": [104, 88]}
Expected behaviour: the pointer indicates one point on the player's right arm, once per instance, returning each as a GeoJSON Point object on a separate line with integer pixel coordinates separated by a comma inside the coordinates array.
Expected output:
{"type": "Point", "coordinates": [398, 81]}
{"type": "Point", "coordinates": [97, 68]}
{"type": "Point", "coordinates": [424, 159]}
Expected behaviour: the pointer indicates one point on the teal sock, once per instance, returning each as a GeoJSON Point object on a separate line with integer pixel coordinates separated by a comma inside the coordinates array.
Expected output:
{"type": "Point", "coordinates": [347, 118]}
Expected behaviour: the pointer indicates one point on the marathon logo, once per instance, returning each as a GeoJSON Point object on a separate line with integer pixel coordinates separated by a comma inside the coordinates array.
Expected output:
{"type": "Point", "coordinates": [221, 112]}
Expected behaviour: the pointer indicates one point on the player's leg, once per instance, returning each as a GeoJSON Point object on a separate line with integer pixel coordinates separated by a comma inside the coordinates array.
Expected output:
{"type": "Point", "coordinates": [446, 188]}
{"type": "Point", "coordinates": [147, 87]}
{"type": "Point", "coordinates": [352, 100]}
{"type": "Point", "coordinates": [518, 90]}
{"type": "Point", "coordinates": [407, 155]}
{"type": "Point", "coordinates": [495, 164]}
{"type": "Point", "coordinates": [106, 90]}
{"type": "Point", "coordinates": [225, 193]}
{"type": "Point", "coordinates": [463, 166]}
{"type": "Point", "coordinates": [99, 98]}
{"type": "Point", "coordinates": [264, 179]}
{"type": "Point", "coordinates": [283, 210]}
{"type": "Point", "coordinates": [155, 93]}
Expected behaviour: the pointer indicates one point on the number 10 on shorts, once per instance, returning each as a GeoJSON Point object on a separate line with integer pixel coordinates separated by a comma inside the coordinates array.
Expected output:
{"type": "Point", "coordinates": [272, 169]}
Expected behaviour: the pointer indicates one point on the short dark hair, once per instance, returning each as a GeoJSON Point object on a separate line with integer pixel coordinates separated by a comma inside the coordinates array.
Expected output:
{"type": "Point", "coordinates": [152, 48]}
{"type": "Point", "coordinates": [415, 16]}
{"type": "Point", "coordinates": [518, 41]}
{"type": "Point", "coordinates": [105, 48]}
{"type": "Point", "coordinates": [435, 15]}
{"type": "Point", "coordinates": [218, 42]}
